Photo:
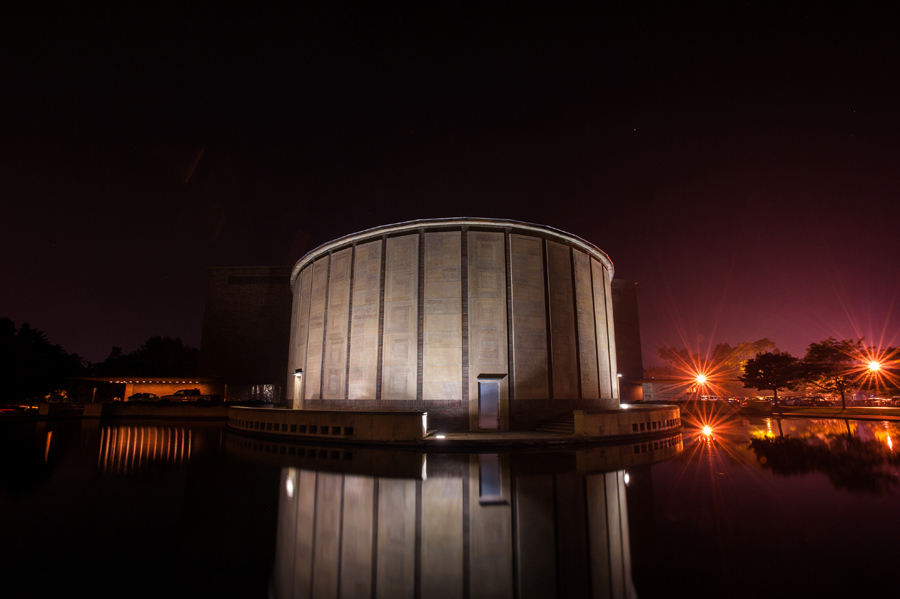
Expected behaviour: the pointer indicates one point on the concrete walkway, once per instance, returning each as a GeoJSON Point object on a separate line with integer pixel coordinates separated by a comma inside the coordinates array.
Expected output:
{"type": "Point", "coordinates": [853, 413]}
{"type": "Point", "coordinates": [435, 441]}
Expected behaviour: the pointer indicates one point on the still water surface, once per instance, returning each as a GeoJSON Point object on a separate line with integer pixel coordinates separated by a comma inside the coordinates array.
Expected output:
{"type": "Point", "coordinates": [760, 508]}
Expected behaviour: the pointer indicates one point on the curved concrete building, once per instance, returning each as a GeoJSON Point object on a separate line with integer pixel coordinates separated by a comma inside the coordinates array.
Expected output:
{"type": "Point", "coordinates": [485, 324]}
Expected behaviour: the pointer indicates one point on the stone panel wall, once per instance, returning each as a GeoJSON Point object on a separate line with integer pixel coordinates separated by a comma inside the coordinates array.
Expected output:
{"type": "Point", "coordinates": [364, 325]}
{"type": "Point", "coordinates": [562, 322]}
{"type": "Point", "coordinates": [598, 276]}
{"type": "Point", "coordinates": [319, 289]}
{"type": "Point", "coordinates": [442, 336]}
{"type": "Point", "coordinates": [487, 315]}
{"type": "Point", "coordinates": [299, 324]}
{"type": "Point", "coordinates": [529, 318]}
{"type": "Point", "coordinates": [334, 376]}
{"type": "Point", "coordinates": [611, 339]}
{"type": "Point", "coordinates": [587, 333]}
{"type": "Point", "coordinates": [401, 288]}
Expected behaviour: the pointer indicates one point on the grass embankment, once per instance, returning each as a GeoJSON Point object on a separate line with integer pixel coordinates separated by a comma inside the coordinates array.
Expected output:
{"type": "Point", "coordinates": [763, 410]}
{"type": "Point", "coordinates": [864, 413]}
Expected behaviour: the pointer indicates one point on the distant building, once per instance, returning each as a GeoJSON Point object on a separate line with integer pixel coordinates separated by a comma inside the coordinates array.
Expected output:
{"type": "Point", "coordinates": [628, 339]}
{"type": "Point", "coordinates": [485, 324]}
{"type": "Point", "coordinates": [246, 330]}
{"type": "Point", "coordinates": [667, 391]}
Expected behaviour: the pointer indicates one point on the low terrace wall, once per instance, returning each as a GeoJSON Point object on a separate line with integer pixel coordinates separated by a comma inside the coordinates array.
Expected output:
{"type": "Point", "coordinates": [636, 420]}
{"type": "Point", "coordinates": [331, 425]}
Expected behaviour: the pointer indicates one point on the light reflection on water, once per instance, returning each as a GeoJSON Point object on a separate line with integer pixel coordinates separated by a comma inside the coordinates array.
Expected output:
{"type": "Point", "coordinates": [487, 533]}
{"type": "Point", "coordinates": [129, 448]}
{"type": "Point", "coordinates": [771, 507]}
{"type": "Point", "coordinates": [757, 507]}
{"type": "Point", "coordinates": [363, 523]}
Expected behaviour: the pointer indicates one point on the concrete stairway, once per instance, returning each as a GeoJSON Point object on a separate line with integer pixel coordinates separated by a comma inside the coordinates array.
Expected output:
{"type": "Point", "coordinates": [563, 426]}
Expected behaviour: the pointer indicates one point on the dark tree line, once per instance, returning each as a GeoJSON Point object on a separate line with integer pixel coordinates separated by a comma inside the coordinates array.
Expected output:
{"type": "Point", "coordinates": [829, 366]}
{"type": "Point", "coordinates": [725, 360]}
{"type": "Point", "coordinates": [158, 356]}
{"type": "Point", "coordinates": [30, 366]}
{"type": "Point", "coordinates": [856, 465]}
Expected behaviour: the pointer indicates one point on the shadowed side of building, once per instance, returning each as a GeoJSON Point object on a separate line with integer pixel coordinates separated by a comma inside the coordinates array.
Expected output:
{"type": "Point", "coordinates": [246, 330]}
{"type": "Point", "coordinates": [628, 339]}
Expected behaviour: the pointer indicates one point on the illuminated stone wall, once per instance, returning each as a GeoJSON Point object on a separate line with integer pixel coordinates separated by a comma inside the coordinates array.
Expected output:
{"type": "Point", "coordinates": [415, 315]}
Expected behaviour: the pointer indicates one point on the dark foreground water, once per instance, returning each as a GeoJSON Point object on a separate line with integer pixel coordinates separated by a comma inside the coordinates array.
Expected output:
{"type": "Point", "coordinates": [760, 508]}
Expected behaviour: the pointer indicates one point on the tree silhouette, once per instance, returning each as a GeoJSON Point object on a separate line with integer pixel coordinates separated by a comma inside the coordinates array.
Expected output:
{"type": "Point", "coordinates": [771, 372]}
{"type": "Point", "coordinates": [30, 366]}
{"type": "Point", "coordinates": [158, 356]}
{"type": "Point", "coordinates": [833, 366]}
{"type": "Point", "coordinates": [852, 464]}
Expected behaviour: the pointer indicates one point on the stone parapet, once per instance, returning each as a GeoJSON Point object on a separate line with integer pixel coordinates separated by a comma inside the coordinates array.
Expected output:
{"type": "Point", "coordinates": [624, 422]}
{"type": "Point", "coordinates": [344, 425]}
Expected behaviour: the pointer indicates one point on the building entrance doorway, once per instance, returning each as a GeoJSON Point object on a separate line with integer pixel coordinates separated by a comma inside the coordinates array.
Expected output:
{"type": "Point", "coordinates": [489, 405]}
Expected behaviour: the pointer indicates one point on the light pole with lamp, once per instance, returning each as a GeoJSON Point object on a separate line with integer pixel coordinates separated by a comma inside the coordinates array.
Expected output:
{"type": "Point", "coordinates": [874, 367]}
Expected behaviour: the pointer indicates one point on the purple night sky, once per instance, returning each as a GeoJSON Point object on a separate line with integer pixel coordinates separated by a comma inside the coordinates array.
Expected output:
{"type": "Point", "coordinates": [741, 163]}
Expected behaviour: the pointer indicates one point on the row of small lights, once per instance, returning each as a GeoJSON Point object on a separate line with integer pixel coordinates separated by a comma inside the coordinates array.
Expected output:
{"type": "Point", "coordinates": [160, 382]}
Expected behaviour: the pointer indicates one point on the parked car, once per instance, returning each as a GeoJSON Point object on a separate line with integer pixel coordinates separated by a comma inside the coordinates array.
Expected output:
{"type": "Point", "coordinates": [184, 395]}
{"type": "Point", "coordinates": [142, 397]}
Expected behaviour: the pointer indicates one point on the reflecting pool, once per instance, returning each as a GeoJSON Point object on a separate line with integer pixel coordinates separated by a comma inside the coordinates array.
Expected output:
{"type": "Point", "coordinates": [750, 508]}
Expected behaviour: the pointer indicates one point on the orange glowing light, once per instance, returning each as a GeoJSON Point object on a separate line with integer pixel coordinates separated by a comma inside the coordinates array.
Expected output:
{"type": "Point", "coordinates": [874, 366]}
{"type": "Point", "coordinates": [701, 379]}
{"type": "Point", "coordinates": [707, 430]}
{"type": "Point", "coordinates": [890, 443]}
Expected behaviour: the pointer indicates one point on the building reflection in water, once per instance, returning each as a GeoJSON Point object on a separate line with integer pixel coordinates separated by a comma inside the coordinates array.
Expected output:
{"type": "Point", "coordinates": [132, 448]}
{"type": "Point", "coordinates": [473, 526]}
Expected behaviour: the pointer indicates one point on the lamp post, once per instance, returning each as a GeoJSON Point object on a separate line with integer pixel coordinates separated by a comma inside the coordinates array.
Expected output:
{"type": "Point", "coordinates": [701, 383]}
{"type": "Point", "coordinates": [619, 386]}
{"type": "Point", "coordinates": [874, 367]}
{"type": "Point", "coordinates": [298, 389]}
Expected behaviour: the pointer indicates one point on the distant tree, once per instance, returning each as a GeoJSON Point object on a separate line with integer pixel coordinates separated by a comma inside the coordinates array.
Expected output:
{"type": "Point", "coordinates": [158, 356]}
{"type": "Point", "coordinates": [661, 371]}
{"type": "Point", "coordinates": [167, 356]}
{"type": "Point", "coordinates": [833, 366]}
{"type": "Point", "coordinates": [724, 359]}
{"type": "Point", "coordinates": [30, 366]}
{"type": "Point", "coordinates": [681, 364]}
{"type": "Point", "coordinates": [730, 359]}
{"type": "Point", "coordinates": [771, 372]}
{"type": "Point", "coordinates": [722, 366]}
